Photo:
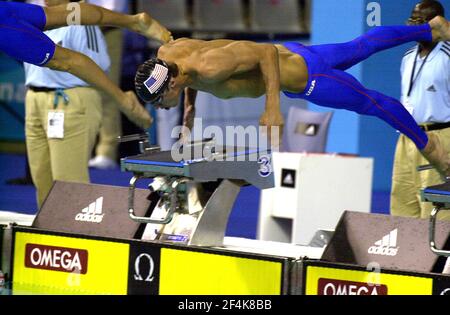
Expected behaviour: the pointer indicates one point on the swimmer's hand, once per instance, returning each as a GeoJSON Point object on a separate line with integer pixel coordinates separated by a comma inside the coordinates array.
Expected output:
{"type": "Point", "coordinates": [185, 135]}
{"type": "Point", "coordinates": [135, 112]}
{"type": "Point", "coordinates": [150, 28]}
{"type": "Point", "coordinates": [270, 119]}
{"type": "Point", "coordinates": [274, 122]}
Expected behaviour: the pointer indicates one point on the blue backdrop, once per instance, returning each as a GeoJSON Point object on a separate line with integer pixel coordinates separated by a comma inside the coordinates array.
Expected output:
{"type": "Point", "coordinates": [12, 93]}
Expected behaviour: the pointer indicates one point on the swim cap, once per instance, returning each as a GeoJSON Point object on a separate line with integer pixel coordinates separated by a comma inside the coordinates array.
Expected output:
{"type": "Point", "coordinates": [152, 79]}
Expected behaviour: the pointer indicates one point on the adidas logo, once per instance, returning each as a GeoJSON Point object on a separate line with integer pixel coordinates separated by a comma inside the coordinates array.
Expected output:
{"type": "Point", "coordinates": [311, 130]}
{"type": "Point", "coordinates": [387, 246]}
{"type": "Point", "coordinates": [288, 180]}
{"type": "Point", "coordinates": [431, 89]}
{"type": "Point", "coordinates": [92, 213]}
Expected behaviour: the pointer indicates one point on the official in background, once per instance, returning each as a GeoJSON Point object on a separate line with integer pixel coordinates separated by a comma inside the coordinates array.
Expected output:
{"type": "Point", "coordinates": [425, 82]}
{"type": "Point", "coordinates": [63, 114]}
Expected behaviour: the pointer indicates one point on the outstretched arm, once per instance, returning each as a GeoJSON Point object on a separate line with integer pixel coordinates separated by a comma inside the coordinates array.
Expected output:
{"type": "Point", "coordinates": [270, 70]}
{"type": "Point", "coordinates": [189, 107]}
{"type": "Point", "coordinates": [87, 70]}
{"type": "Point", "coordinates": [88, 14]}
{"type": "Point", "coordinates": [189, 115]}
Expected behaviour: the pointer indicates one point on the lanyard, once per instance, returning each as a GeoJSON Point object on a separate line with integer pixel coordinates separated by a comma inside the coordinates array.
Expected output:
{"type": "Point", "coordinates": [413, 80]}
{"type": "Point", "coordinates": [60, 93]}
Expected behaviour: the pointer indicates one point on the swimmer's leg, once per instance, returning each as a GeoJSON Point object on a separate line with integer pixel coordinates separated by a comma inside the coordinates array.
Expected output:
{"type": "Point", "coordinates": [87, 70]}
{"type": "Point", "coordinates": [87, 14]}
{"type": "Point", "coordinates": [345, 55]}
{"type": "Point", "coordinates": [33, 15]}
{"type": "Point", "coordinates": [337, 89]}
{"type": "Point", "coordinates": [24, 42]}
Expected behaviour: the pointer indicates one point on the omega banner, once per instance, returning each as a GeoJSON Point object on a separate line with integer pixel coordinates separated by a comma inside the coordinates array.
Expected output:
{"type": "Point", "coordinates": [338, 279]}
{"type": "Point", "coordinates": [58, 263]}
{"type": "Point", "coordinates": [50, 264]}
{"type": "Point", "coordinates": [390, 242]}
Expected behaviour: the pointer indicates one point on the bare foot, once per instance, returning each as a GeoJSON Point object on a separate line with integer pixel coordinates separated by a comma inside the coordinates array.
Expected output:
{"type": "Point", "coordinates": [441, 28]}
{"type": "Point", "coordinates": [151, 28]}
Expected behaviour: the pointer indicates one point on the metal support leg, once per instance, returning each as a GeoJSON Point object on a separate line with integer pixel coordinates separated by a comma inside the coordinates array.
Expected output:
{"type": "Point", "coordinates": [173, 202]}
{"type": "Point", "coordinates": [432, 231]}
{"type": "Point", "coordinates": [213, 221]}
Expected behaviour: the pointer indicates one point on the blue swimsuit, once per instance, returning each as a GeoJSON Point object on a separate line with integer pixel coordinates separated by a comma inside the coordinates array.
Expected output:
{"type": "Point", "coordinates": [328, 84]}
{"type": "Point", "coordinates": [21, 33]}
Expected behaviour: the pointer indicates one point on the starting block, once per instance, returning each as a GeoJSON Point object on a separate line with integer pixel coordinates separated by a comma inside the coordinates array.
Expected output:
{"type": "Point", "coordinates": [439, 195]}
{"type": "Point", "coordinates": [193, 197]}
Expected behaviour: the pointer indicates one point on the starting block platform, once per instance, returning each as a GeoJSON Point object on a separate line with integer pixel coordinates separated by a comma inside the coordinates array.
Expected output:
{"type": "Point", "coordinates": [229, 163]}
{"type": "Point", "coordinates": [196, 189]}
{"type": "Point", "coordinates": [437, 194]}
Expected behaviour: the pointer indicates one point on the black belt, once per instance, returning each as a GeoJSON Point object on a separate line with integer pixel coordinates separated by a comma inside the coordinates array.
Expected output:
{"type": "Point", "coordinates": [107, 29]}
{"type": "Point", "coordinates": [41, 89]}
{"type": "Point", "coordinates": [437, 126]}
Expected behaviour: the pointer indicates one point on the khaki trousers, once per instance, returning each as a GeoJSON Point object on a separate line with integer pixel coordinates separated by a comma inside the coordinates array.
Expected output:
{"type": "Point", "coordinates": [111, 127]}
{"type": "Point", "coordinates": [407, 181]}
{"type": "Point", "coordinates": [61, 159]}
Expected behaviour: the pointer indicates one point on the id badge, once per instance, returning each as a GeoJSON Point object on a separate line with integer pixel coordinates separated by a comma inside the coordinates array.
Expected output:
{"type": "Point", "coordinates": [55, 125]}
{"type": "Point", "coordinates": [409, 107]}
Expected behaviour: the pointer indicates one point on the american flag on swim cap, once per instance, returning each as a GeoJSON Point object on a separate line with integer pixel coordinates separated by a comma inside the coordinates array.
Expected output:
{"type": "Point", "coordinates": [157, 78]}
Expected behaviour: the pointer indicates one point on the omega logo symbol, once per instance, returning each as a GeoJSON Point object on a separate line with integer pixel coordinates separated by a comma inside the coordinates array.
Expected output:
{"type": "Point", "coordinates": [137, 272]}
{"type": "Point", "coordinates": [446, 292]}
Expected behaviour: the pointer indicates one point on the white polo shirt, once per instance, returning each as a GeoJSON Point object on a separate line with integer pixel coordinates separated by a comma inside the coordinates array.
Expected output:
{"type": "Point", "coordinates": [87, 40]}
{"type": "Point", "coordinates": [429, 101]}
{"type": "Point", "coordinates": [121, 6]}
